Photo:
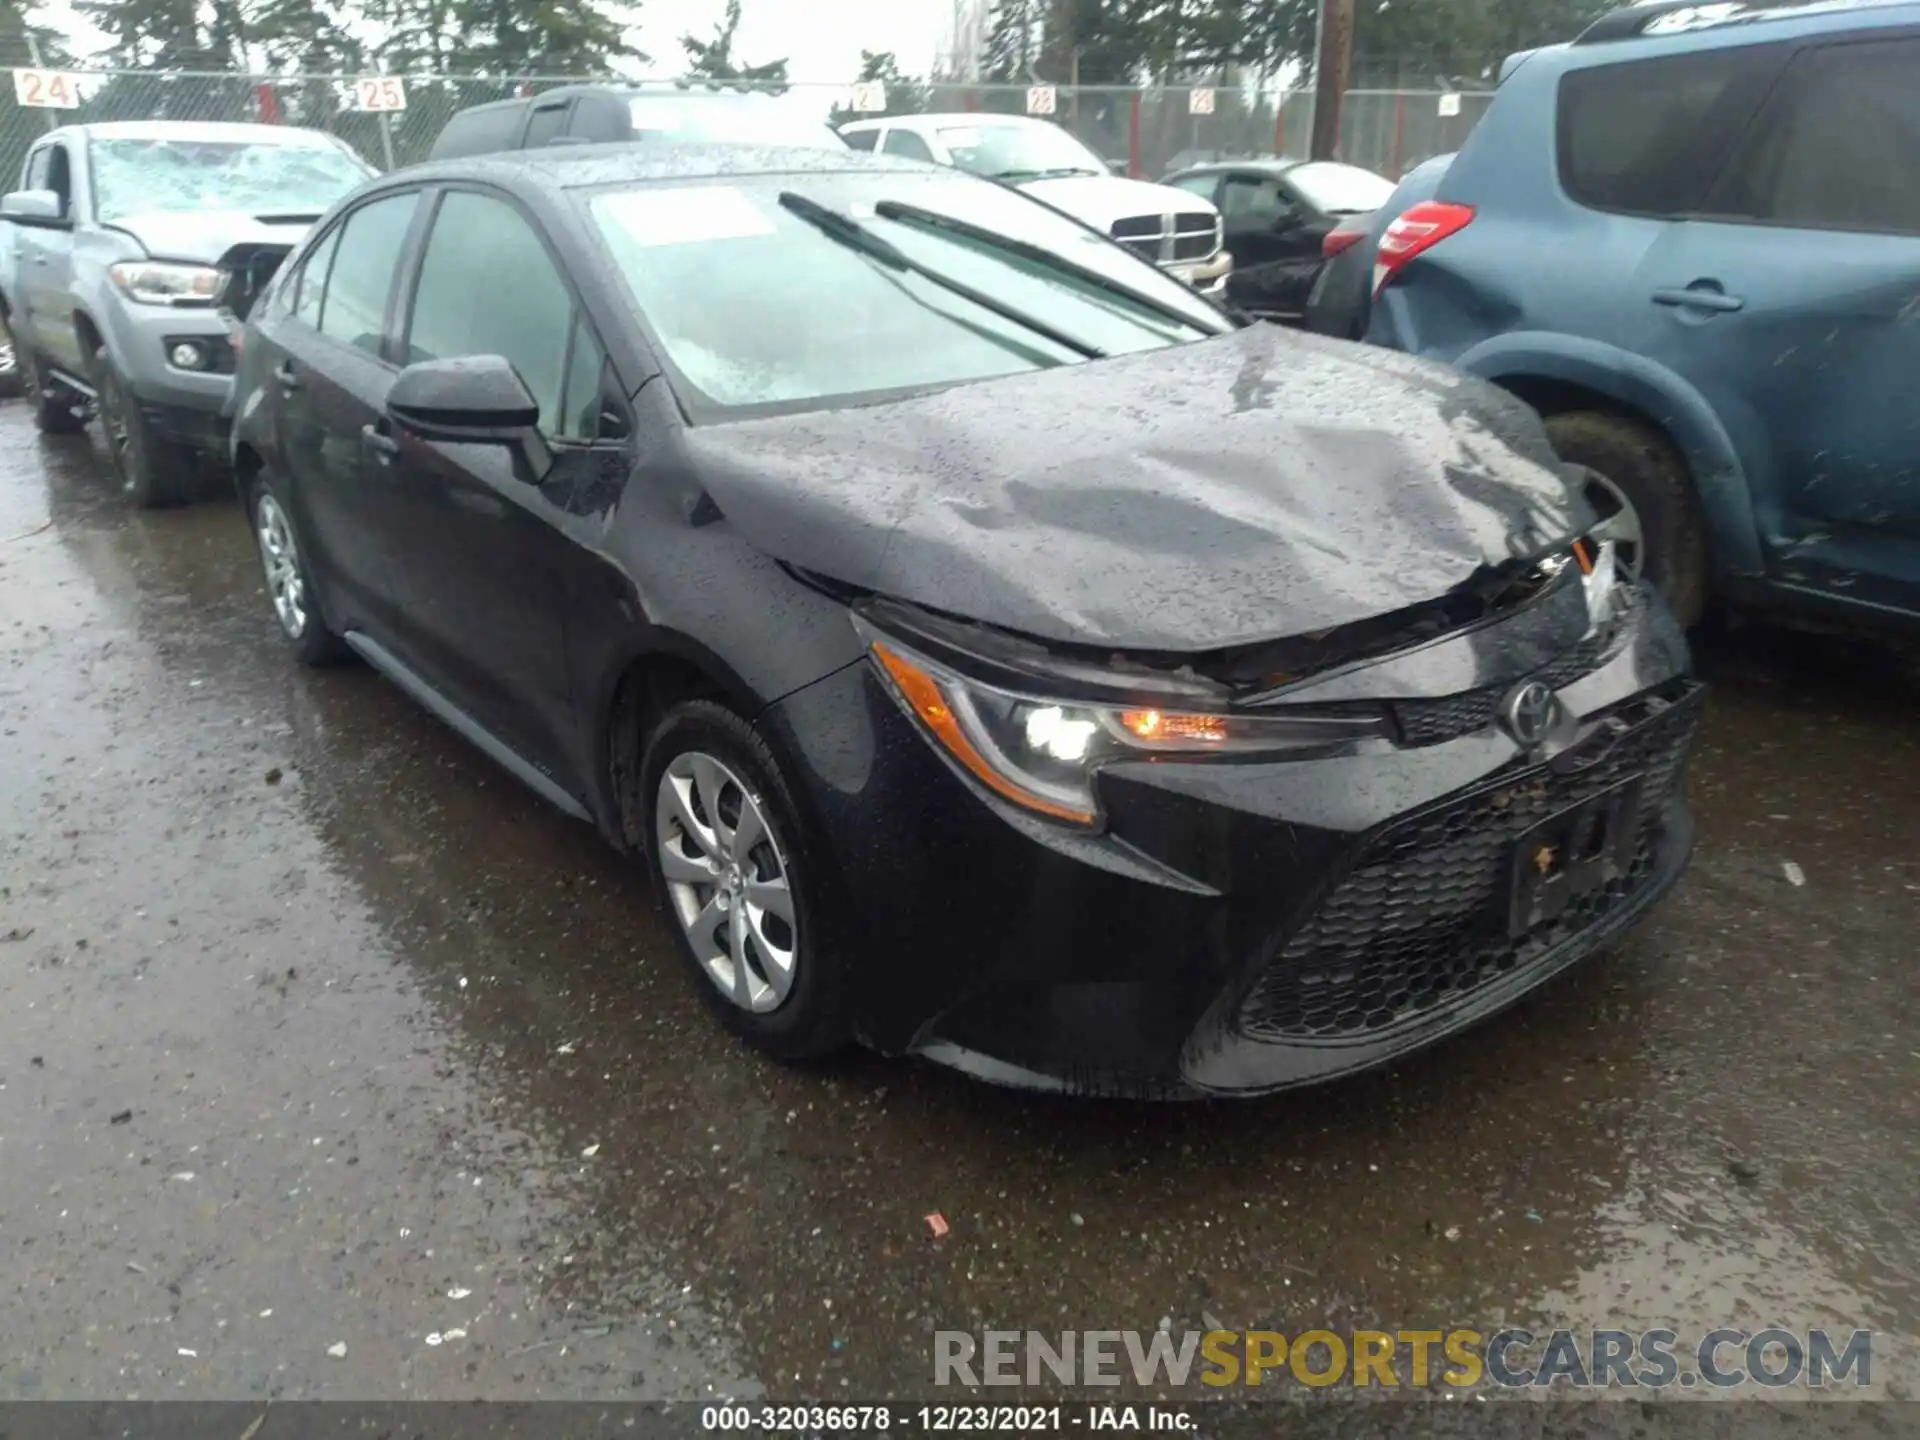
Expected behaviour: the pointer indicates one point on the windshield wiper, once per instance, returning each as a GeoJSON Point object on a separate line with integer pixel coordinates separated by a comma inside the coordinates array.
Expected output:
{"type": "Point", "coordinates": [855, 236]}
{"type": "Point", "coordinates": [906, 214]}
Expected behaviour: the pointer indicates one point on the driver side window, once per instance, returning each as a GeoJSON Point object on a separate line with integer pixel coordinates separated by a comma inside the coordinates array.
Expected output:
{"type": "Point", "coordinates": [461, 307]}
{"type": "Point", "coordinates": [1247, 202]}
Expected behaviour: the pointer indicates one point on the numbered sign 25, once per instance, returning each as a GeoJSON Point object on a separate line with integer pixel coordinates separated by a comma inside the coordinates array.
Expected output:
{"type": "Point", "coordinates": [46, 89]}
{"type": "Point", "coordinates": [379, 92]}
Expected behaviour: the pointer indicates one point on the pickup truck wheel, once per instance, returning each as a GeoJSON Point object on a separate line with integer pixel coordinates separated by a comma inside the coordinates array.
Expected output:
{"type": "Point", "coordinates": [56, 409]}
{"type": "Point", "coordinates": [10, 382]}
{"type": "Point", "coordinates": [1643, 493]}
{"type": "Point", "coordinates": [154, 471]}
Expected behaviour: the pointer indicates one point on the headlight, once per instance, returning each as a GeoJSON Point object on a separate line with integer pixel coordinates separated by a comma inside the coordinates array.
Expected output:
{"type": "Point", "coordinates": [156, 282]}
{"type": "Point", "coordinates": [1041, 753]}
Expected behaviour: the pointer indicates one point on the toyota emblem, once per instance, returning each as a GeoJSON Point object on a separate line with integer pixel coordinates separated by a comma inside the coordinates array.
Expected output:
{"type": "Point", "coordinates": [1527, 712]}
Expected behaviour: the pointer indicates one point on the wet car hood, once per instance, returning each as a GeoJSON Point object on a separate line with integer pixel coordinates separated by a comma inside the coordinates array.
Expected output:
{"type": "Point", "coordinates": [206, 235]}
{"type": "Point", "coordinates": [1250, 487]}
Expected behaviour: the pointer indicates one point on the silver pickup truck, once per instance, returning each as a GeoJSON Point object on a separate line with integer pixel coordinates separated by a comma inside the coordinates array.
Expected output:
{"type": "Point", "coordinates": [112, 254]}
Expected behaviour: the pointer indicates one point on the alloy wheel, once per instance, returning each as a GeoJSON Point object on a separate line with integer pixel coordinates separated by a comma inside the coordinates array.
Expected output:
{"type": "Point", "coordinates": [1619, 522]}
{"type": "Point", "coordinates": [727, 877]}
{"type": "Point", "coordinates": [281, 561]}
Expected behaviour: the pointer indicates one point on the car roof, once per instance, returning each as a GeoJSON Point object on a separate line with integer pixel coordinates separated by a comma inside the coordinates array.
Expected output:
{"type": "Point", "coordinates": [1271, 165]}
{"type": "Point", "coordinates": [206, 131]}
{"type": "Point", "coordinates": [948, 117]}
{"type": "Point", "coordinates": [580, 166]}
{"type": "Point", "coordinates": [1669, 18]}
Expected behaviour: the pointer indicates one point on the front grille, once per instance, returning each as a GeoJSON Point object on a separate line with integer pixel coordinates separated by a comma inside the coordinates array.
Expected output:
{"type": "Point", "coordinates": [1163, 239]}
{"type": "Point", "coordinates": [1428, 722]}
{"type": "Point", "coordinates": [1421, 921]}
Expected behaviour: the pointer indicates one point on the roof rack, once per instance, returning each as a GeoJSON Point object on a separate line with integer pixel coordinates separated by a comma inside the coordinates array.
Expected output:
{"type": "Point", "coordinates": [1631, 22]}
{"type": "Point", "coordinates": [1637, 20]}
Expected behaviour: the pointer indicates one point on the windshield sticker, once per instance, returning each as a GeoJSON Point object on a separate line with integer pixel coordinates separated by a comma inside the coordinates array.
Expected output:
{"type": "Point", "coordinates": [694, 215]}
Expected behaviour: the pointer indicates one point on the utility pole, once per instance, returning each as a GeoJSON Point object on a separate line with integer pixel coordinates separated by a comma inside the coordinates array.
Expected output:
{"type": "Point", "coordinates": [1333, 55]}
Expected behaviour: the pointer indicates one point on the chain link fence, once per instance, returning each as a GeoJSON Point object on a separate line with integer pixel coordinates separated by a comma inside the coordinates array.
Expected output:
{"type": "Point", "coordinates": [1144, 132]}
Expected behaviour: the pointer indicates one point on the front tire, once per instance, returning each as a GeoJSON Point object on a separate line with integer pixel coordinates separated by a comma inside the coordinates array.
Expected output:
{"type": "Point", "coordinates": [289, 581]}
{"type": "Point", "coordinates": [154, 471]}
{"type": "Point", "coordinates": [744, 882]}
{"type": "Point", "coordinates": [1644, 495]}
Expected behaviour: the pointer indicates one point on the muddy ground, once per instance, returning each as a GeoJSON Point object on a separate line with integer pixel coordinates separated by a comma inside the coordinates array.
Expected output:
{"type": "Point", "coordinates": [334, 1063]}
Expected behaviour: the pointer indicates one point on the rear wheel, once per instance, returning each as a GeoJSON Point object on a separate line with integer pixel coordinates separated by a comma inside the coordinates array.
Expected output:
{"type": "Point", "coordinates": [1641, 489]}
{"type": "Point", "coordinates": [743, 882]}
{"type": "Point", "coordinates": [153, 470]}
{"type": "Point", "coordinates": [289, 582]}
{"type": "Point", "coordinates": [10, 382]}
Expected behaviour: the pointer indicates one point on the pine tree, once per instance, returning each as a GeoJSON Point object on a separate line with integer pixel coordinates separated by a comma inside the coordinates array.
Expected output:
{"type": "Point", "coordinates": [1012, 34]}
{"type": "Point", "coordinates": [713, 59]}
{"type": "Point", "coordinates": [553, 37]}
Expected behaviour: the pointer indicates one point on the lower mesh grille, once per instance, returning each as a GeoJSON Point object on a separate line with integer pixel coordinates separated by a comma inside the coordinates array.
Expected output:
{"type": "Point", "coordinates": [1421, 919]}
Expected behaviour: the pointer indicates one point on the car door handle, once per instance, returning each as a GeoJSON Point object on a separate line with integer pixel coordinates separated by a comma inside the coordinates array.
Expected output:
{"type": "Point", "coordinates": [283, 372]}
{"type": "Point", "coordinates": [1699, 298]}
{"type": "Point", "coordinates": [382, 445]}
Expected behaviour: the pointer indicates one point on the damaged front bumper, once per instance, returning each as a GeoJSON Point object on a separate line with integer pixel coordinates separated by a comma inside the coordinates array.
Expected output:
{"type": "Point", "coordinates": [1239, 925]}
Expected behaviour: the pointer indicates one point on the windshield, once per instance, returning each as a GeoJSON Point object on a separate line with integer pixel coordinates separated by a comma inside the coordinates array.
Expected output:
{"type": "Point", "coordinates": [755, 306]}
{"type": "Point", "coordinates": [133, 177]}
{"type": "Point", "coordinates": [747, 120]}
{"type": "Point", "coordinates": [1339, 189]}
{"type": "Point", "coordinates": [1018, 151]}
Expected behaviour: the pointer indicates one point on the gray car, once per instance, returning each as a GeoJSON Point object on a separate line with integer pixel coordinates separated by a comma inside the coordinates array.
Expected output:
{"type": "Point", "coordinates": [111, 266]}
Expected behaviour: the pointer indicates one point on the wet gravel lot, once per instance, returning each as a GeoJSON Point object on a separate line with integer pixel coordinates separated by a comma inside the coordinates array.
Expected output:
{"type": "Point", "coordinates": [332, 1063]}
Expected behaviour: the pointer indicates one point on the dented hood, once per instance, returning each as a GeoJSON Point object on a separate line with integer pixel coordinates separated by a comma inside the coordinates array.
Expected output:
{"type": "Point", "coordinates": [207, 235]}
{"type": "Point", "coordinates": [1258, 485]}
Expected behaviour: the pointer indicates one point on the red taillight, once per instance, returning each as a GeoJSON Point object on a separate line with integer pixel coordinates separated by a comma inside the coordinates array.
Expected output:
{"type": "Point", "coordinates": [1415, 232]}
{"type": "Point", "coordinates": [1334, 241]}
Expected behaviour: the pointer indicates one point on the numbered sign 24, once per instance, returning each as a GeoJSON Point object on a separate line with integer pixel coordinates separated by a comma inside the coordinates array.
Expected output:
{"type": "Point", "coordinates": [379, 92]}
{"type": "Point", "coordinates": [46, 89]}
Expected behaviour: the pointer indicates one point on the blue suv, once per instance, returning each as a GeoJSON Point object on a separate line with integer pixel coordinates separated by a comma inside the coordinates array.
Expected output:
{"type": "Point", "coordinates": [1691, 240]}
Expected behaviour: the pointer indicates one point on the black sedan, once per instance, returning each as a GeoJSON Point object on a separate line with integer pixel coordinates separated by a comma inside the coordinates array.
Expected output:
{"type": "Point", "coordinates": [995, 653]}
{"type": "Point", "coordinates": [1277, 216]}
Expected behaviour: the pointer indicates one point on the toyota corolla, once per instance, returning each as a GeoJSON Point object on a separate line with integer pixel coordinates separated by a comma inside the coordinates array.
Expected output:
{"type": "Point", "coordinates": [996, 653]}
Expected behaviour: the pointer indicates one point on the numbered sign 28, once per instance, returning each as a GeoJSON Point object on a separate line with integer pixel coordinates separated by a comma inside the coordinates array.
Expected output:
{"type": "Point", "coordinates": [46, 89]}
{"type": "Point", "coordinates": [379, 92]}
{"type": "Point", "coordinates": [1040, 100]}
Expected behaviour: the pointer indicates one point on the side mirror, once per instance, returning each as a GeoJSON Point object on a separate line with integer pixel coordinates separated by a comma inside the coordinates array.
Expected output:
{"type": "Point", "coordinates": [474, 400]}
{"type": "Point", "coordinates": [34, 207]}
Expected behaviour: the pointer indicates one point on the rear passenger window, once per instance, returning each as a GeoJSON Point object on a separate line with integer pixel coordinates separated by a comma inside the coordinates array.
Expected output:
{"type": "Point", "coordinates": [311, 283]}
{"type": "Point", "coordinates": [364, 260]}
{"type": "Point", "coordinates": [1839, 146]}
{"type": "Point", "coordinates": [1650, 137]}
{"type": "Point", "coordinates": [546, 122]}
{"type": "Point", "coordinates": [860, 139]}
{"type": "Point", "coordinates": [463, 305]}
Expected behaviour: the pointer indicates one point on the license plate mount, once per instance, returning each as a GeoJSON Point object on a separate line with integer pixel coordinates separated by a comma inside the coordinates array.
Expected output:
{"type": "Point", "coordinates": [1570, 854]}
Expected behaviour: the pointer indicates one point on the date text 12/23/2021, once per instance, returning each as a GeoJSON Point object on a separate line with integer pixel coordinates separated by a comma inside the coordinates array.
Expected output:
{"type": "Point", "coordinates": [942, 1419]}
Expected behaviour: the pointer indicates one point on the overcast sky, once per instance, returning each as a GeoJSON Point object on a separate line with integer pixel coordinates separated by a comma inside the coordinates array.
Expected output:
{"type": "Point", "coordinates": [820, 39]}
